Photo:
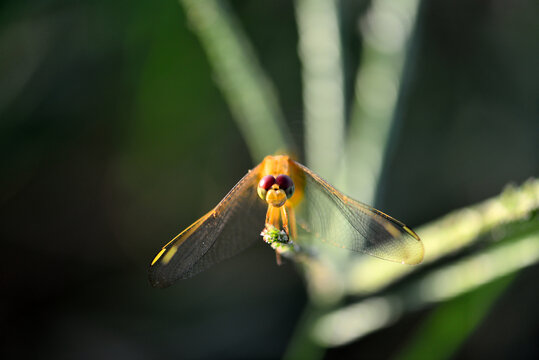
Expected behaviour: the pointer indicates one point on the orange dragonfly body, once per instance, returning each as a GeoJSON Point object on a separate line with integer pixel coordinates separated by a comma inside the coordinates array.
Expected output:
{"type": "Point", "coordinates": [288, 205]}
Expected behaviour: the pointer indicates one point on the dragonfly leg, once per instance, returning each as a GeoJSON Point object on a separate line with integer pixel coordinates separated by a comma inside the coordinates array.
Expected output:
{"type": "Point", "coordinates": [268, 215]}
{"type": "Point", "coordinates": [284, 219]}
{"type": "Point", "coordinates": [292, 223]}
{"type": "Point", "coordinates": [272, 216]}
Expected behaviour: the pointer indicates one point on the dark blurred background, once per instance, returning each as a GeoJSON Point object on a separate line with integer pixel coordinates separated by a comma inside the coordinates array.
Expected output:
{"type": "Point", "coordinates": [114, 137]}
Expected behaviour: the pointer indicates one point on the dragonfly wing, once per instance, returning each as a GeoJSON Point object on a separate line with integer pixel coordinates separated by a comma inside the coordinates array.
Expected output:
{"type": "Point", "coordinates": [329, 216]}
{"type": "Point", "coordinates": [232, 226]}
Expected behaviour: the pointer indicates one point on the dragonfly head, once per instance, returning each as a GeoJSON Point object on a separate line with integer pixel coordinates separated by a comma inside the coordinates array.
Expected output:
{"type": "Point", "coordinates": [275, 196]}
{"type": "Point", "coordinates": [275, 191]}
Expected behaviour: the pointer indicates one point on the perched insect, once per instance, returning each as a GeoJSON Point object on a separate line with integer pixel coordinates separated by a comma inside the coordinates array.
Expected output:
{"type": "Point", "coordinates": [284, 202]}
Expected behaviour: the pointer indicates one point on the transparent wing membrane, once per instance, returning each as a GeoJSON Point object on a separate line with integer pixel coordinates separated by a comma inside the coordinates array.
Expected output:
{"type": "Point", "coordinates": [232, 226]}
{"type": "Point", "coordinates": [315, 211]}
{"type": "Point", "coordinates": [329, 216]}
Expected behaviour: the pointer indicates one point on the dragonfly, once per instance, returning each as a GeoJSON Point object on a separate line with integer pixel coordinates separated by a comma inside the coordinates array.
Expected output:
{"type": "Point", "coordinates": [284, 202]}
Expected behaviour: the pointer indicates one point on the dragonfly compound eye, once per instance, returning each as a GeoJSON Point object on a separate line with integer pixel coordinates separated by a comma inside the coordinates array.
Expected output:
{"type": "Point", "coordinates": [264, 185]}
{"type": "Point", "coordinates": [286, 184]}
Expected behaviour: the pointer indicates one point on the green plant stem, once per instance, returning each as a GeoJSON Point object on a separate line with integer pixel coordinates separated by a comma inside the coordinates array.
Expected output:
{"type": "Point", "coordinates": [320, 52]}
{"type": "Point", "coordinates": [386, 30]}
{"type": "Point", "coordinates": [302, 345]}
{"type": "Point", "coordinates": [453, 321]}
{"type": "Point", "coordinates": [355, 321]}
{"type": "Point", "coordinates": [247, 89]}
{"type": "Point", "coordinates": [448, 235]}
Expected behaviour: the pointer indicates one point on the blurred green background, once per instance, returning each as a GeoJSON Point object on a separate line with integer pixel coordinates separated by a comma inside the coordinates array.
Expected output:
{"type": "Point", "coordinates": [115, 136]}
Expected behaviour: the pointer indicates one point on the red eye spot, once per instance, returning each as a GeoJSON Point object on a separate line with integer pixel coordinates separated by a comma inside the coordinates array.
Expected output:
{"type": "Point", "coordinates": [285, 183]}
{"type": "Point", "coordinates": [266, 182]}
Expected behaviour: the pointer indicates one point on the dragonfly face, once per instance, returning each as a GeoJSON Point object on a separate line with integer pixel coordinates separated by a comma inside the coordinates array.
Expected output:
{"type": "Point", "coordinates": [298, 204]}
{"type": "Point", "coordinates": [275, 191]}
